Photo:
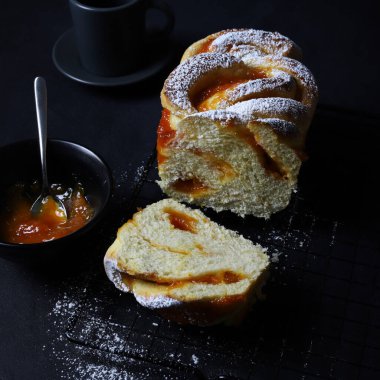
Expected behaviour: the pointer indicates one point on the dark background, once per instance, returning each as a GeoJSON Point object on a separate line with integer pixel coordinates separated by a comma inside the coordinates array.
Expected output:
{"type": "Point", "coordinates": [340, 41]}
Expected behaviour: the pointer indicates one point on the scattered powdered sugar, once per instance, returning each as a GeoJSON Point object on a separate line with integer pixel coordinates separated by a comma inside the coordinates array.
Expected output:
{"type": "Point", "coordinates": [194, 359]}
{"type": "Point", "coordinates": [100, 372]}
{"type": "Point", "coordinates": [333, 233]}
{"type": "Point", "coordinates": [85, 344]}
{"type": "Point", "coordinates": [63, 309]}
{"type": "Point", "coordinates": [74, 361]}
{"type": "Point", "coordinates": [275, 255]}
{"type": "Point", "coordinates": [65, 306]}
{"type": "Point", "coordinates": [256, 42]}
{"type": "Point", "coordinates": [140, 171]}
{"type": "Point", "coordinates": [122, 177]}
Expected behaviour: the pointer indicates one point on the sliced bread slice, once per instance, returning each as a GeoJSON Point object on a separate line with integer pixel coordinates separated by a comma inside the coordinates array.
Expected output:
{"type": "Point", "coordinates": [177, 260]}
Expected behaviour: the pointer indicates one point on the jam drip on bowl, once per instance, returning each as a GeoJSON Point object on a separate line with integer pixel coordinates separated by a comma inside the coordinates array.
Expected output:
{"type": "Point", "coordinates": [19, 226]}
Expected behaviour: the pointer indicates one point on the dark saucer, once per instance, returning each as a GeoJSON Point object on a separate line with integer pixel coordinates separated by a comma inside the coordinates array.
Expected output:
{"type": "Point", "coordinates": [66, 59]}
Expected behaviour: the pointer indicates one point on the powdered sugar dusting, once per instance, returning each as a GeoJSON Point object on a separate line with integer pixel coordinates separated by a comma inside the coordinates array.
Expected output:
{"type": "Point", "coordinates": [255, 42]}
{"type": "Point", "coordinates": [281, 114]}
{"type": "Point", "coordinates": [180, 81]}
{"type": "Point", "coordinates": [296, 69]}
{"type": "Point", "coordinates": [282, 127]}
{"type": "Point", "coordinates": [281, 85]}
{"type": "Point", "coordinates": [110, 266]}
{"type": "Point", "coordinates": [288, 109]}
{"type": "Point", "coordinates": [157, 301]}
{"type": "Point", "coordinates": [224, 117]}
{"type": "Point", "coordinates": [273, 94]}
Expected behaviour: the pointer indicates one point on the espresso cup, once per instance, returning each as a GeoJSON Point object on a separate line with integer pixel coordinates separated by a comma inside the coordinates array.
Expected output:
{"type": "Point", "coordinates": [111, 34]}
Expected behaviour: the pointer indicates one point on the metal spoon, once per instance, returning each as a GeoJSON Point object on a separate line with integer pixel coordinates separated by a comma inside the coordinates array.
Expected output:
{"type": "Point", "coordinates": [40, 95]}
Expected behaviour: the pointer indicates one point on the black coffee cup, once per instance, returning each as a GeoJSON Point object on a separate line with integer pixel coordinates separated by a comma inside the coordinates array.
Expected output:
{"type": "Point", "coordinates": [111, 34]}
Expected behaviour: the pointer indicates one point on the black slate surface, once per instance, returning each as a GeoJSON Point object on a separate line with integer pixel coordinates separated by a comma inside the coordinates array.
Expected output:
{"type": "Point", "coordinates": [329, 328]}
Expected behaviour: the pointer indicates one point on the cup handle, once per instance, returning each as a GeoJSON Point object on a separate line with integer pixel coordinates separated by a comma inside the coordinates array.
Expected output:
{"type": "Point", "coordinates": [164, 8]}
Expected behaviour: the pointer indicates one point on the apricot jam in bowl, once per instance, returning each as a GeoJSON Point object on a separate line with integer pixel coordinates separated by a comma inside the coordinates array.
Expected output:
{"type": "Point", "coordinates": [77, 176]}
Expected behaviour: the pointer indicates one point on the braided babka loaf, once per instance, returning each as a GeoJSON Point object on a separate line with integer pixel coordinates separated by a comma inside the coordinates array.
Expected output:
{"type": "Point", "coordinates": [191, 270]}
{"type": "Point", "coordinates": [235, 116]}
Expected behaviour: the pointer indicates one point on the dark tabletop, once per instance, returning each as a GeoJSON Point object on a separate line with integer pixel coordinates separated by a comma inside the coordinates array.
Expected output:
{"type": "Point", "coordinates": [340, 44]}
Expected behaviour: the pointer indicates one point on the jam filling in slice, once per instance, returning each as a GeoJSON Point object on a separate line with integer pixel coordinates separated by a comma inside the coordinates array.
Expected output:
{"type": "Point", "coordinates": [191, 186]}
{"type": "Point", "coordinates": [181, 220]}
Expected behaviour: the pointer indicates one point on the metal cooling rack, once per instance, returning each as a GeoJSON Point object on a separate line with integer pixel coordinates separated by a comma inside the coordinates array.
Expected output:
{"type": "Point", "coordinates": [321, 318]}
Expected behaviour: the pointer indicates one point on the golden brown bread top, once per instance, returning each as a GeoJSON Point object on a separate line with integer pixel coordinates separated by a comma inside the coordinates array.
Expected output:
{"type": "Point", "coordinates": [231, 81]}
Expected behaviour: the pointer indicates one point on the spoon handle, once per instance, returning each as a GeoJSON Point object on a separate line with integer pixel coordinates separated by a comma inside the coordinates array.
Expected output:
{"type": "Point", "coordinates": [40, 94]}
